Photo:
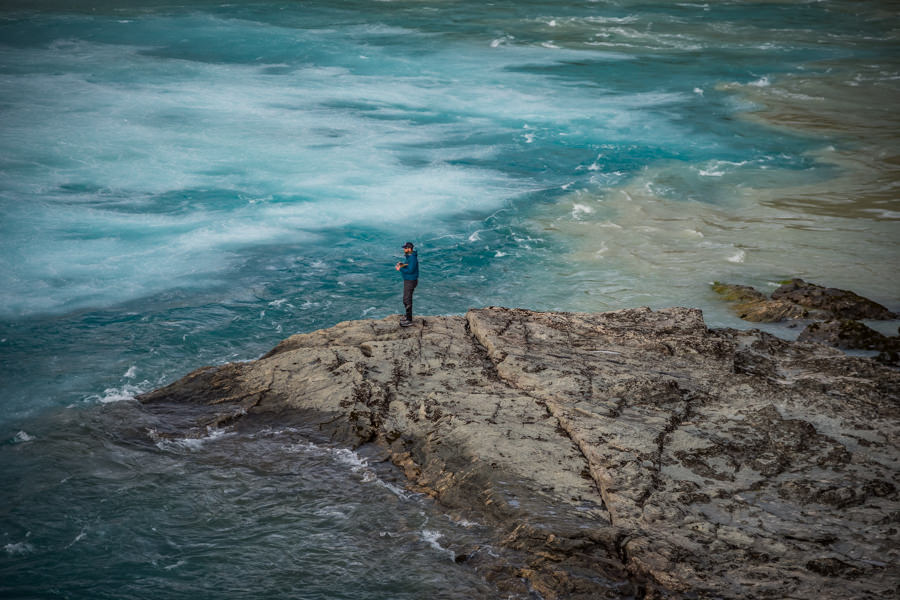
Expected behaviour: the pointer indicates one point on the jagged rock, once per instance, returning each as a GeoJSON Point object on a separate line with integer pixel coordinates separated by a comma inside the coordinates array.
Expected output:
{"type": "Point", "coordinates": [847, 334]}
{"type": "Point", "coordinates": [624, 453]}
{"type": "Point", "coordinates": [798, 299]}
{"type": "Point", "coordinates": [837, 303]}
{"type": "Point", "coordinates": [753, 305]}
{"type": "Point", "coordinates": [852, 335]}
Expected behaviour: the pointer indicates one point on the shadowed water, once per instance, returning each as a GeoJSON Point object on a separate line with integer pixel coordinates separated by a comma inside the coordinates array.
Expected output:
{"type": "Point", "coordinates": [101, 504]}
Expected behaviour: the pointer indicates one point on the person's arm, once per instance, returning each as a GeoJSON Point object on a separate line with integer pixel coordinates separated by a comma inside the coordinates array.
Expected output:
{"type": "Point", "coordinates": [406, 267]}
{"type": "Point", "coordinates": [409, 265]}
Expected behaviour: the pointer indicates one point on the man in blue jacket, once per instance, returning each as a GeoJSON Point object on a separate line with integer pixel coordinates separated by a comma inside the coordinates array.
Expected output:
{"type": "Point", "coordinates": [410, 272]}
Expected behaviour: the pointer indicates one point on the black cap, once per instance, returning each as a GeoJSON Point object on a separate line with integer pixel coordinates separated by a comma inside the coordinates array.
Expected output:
{"type": "Point", "coordinates": [408, 245]}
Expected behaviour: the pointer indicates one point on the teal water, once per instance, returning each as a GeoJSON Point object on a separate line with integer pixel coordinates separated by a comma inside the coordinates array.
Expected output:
{"type": "Point", "coordinates": [188, 183]}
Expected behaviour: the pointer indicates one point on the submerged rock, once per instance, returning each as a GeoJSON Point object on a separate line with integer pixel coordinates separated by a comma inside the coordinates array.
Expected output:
{"type": "Point", "coordinates": [628, 453]}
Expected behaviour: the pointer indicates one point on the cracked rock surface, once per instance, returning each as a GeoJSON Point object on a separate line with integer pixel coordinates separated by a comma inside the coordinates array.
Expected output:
{"type": "Point", "coordinates": [629, 453]}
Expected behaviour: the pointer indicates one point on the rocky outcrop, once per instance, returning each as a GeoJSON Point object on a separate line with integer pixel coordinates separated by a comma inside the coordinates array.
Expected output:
{"type": "Point", "coordinates": [629, 453]}
{"type": "Point", "coordinates": [797, 299]}
{"type": "Point", "coordinates": [852, 335]}
{"type": "Point", "coordinates": [833, 302]}
{"type": "Point", "coordinates": [835, 309]}
{"type": "Point", "coordinates": [752, 305]}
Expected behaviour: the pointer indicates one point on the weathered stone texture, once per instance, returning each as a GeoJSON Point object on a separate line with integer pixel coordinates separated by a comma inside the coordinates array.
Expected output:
{"type": "Point", "coordinates": [630, 452]}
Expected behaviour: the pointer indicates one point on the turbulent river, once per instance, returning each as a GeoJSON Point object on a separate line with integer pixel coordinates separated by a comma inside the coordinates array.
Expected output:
{"type": "Point", "coordinates": [187, 183]}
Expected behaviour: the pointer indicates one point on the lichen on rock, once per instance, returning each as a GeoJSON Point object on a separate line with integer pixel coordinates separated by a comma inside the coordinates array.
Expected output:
{"type": "Point", "coordinates": [752, 305]}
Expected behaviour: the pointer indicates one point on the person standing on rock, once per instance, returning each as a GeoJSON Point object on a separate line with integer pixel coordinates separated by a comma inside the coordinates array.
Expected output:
{"type": "Point", "coordinates": [410, 272]}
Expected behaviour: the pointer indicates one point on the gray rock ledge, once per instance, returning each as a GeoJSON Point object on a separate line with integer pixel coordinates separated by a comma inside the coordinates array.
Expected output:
{"type": "Point", "coordinates": [628, 453]}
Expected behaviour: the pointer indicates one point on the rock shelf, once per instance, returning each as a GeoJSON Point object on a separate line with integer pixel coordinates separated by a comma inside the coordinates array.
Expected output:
{"type": "Point", "coordinates": [633, 453]}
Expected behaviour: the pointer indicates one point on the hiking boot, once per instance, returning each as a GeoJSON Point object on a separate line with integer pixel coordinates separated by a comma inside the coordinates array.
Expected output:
{"type": "Point", "coordinates": [405, 323]}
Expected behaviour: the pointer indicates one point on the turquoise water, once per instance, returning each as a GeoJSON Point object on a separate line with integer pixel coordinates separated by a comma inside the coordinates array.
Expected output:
{"type": "Point", "coordinates": [188, 183]}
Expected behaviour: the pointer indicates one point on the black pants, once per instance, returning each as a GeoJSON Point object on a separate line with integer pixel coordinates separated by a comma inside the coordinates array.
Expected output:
{"type": "Point", "coordinates": [409, 285]}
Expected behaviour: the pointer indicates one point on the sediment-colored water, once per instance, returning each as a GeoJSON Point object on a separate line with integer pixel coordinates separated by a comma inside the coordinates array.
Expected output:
{"type": "Point", "coordinates": [187, 184]}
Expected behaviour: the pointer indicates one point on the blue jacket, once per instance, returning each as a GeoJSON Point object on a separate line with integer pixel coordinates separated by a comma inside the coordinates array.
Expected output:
{"type": "Point", "coordinates": [411, 270]}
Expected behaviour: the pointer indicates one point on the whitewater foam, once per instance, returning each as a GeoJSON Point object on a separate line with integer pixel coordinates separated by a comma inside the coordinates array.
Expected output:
{"type": "Point", "coordinates": [580, 209]}
{"type": "Point", "coordinates": [19, 548]}
{"type": "Point", "coordinates": [154, 131]}
{"type": "Point", "coordinates": [120, 394]}
{"type": "Point", "coordinates": [357, 465]}
{"type": "Point", "coordinates": [431, 538]}
{"type": "Point", "coordinates": [192, 443]}
{"type": "Point", "coordinates": [22, 436]}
